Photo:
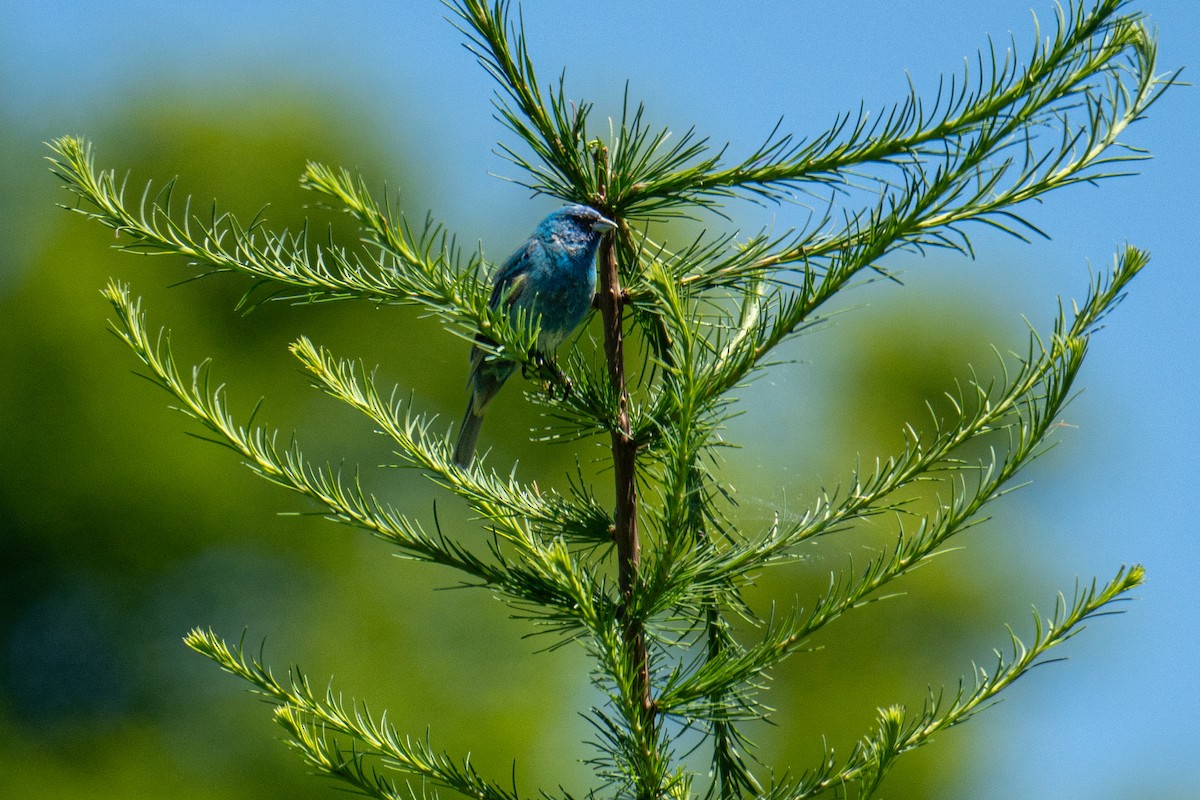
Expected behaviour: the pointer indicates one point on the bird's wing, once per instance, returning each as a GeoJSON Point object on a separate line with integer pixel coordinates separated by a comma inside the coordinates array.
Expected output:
{"type": "Point", "coordinates": [510, 290]}
{"type": "Point", "coordinates": [510, 283]}
{"type": "Point", "coordinates": [513, 276]}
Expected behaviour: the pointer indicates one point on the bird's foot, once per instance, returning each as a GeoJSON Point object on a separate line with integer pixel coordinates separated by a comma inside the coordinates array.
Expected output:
{"type": "Point", "coordinates": [553, 379]}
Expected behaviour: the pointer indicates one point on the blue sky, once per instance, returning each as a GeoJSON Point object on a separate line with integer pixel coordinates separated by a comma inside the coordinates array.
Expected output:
{"type": "Point", "coordinates": [1133, 697]}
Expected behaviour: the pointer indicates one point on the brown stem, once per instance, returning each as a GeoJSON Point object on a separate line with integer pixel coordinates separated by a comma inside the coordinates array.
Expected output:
{"type": "Point", "coordinates": [611, 301]}
{"type": "Point", "coordinates": [624, 448]}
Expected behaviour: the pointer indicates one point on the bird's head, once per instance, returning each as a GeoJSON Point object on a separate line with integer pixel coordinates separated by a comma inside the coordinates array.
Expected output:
{"type": "Point", "coordinates": [576, 223]}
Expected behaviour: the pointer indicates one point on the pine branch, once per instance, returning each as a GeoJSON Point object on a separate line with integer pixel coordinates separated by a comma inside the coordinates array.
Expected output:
{"type": "Point", "coordinates": [429, 264]}
{"type": "Point", "coordinates": [634, 750]}
{"type": "Point", "coordinates": [687, 522]}
{"type": "Point", "coordinates": [929, 213]}
{"type": "Point", "coordinates": [931, 207]}
{"type": "Point", "coordinates": [221, 242]}
{"type": "Point", "coordinates": [555, 130]}
{"type": "Point", "coordinates": [865, 494]}
{"type": "Point", "coordinates": [726, 683]}
{"type": "Point", "coordinates": [314, 723]}
{"type": "Point", "coordinates": [897, 733]}
{"type": "Point", "coordinates": [506, 502]}
{"type": "Point", "coordinates": [733, 777]}
{"type": "Point", "coordinates": [911, 550]}
{"type": "Point", "coordinates": [323, 751]}
{"type": "Point", "coordinates": [547, 580]}
{"type": "Point", "coordinates": [736, 677]}
{"type": "Point", "coordinates": [432, 250]}
{"type": "Point", "coordinates": [1083, 49]}
{"type": "Point", "coordinates": [423, 267]}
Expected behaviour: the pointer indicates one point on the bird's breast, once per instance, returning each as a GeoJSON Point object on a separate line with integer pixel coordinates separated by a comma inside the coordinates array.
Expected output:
{"type": "Point", "coordinates": [561, 298]}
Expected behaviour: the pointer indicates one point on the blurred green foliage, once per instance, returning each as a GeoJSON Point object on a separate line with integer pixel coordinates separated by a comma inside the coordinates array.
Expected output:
{"type": "Point", "coordinates": [119, 532]}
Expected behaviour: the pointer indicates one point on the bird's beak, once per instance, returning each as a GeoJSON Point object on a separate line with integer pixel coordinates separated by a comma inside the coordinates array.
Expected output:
{"type": "Point", "coordinates": [603, 225]}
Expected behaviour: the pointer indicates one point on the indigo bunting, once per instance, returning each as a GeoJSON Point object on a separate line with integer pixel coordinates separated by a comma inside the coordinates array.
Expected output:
{"type": "Point", "coordinates": [552, 278]}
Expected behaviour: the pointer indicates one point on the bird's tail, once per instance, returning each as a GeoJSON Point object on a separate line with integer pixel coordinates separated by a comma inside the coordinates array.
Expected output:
{"type": "Point", "coordinates": [464, 451]}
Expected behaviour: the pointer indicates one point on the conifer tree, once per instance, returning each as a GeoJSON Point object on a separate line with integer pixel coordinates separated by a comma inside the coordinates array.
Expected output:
{"type": "Point", "coordinates": [651, 585]}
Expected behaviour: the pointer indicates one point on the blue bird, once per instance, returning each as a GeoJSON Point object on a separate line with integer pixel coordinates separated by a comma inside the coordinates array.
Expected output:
{"type": "Point", "coordinates": [552, 278]}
